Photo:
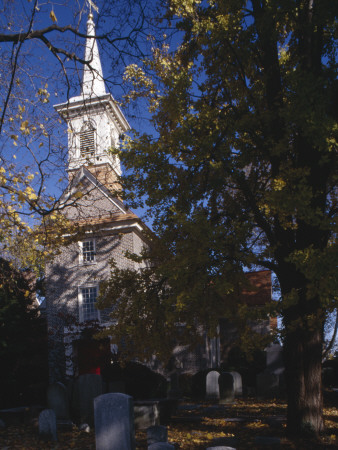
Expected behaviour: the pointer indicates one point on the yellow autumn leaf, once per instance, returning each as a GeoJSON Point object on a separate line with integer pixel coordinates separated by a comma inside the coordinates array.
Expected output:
{"type": "Point", "coordinates": [24, 125]}
{"type": "Point", "coordinates": [53, 16]}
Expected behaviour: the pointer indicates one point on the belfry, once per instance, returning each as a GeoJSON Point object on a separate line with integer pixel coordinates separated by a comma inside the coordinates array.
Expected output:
{"type": "Point", "coordinates": [95, 121]}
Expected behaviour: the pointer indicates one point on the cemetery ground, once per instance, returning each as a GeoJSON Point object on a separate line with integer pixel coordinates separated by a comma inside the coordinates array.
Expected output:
{"type": "Point", "coordinates": [244, 424]}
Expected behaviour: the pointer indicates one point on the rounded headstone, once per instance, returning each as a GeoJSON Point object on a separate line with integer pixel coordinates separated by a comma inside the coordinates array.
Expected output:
{"type": "Point", "coordinates": [86, 388]}
{"type": "Point", "coordinates": [226, 387]}
{"type": "Point", "coordinates": [47, 425]}
{"type": "Point", "coordinates": [212, 386]}
{"type": "Point", "coordinates": [57, 400]}
{"type": "Point", "coordinates": [114, 422]}
{"type": "Point", "coordinates": [237, 384]}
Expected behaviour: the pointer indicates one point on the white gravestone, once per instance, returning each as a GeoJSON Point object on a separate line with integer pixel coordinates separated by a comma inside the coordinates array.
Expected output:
{"type": "Point", "coordinates": [212, 387]}
{"type": "Point", "coordinates": [114, 422]}
{"type": "Point", "coordinates": [237, 384]}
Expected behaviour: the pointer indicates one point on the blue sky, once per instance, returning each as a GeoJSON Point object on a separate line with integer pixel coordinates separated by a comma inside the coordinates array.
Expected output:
{"type": "Point", "coordinates": [38, 69]}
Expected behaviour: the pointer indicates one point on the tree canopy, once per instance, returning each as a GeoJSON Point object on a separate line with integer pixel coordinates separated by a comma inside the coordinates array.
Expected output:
{"type": "Point", "coordinates": [42, 53]}
{"type": "Point", "coordinates": [23, 338]}
{"type": "Point", "coordinates": [240, 173]}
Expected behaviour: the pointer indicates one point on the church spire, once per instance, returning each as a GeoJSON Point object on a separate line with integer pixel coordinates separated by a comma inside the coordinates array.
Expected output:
{"type": "Point", "coordinates": [93, 82]}
{"type": "Point", "coordinates": [95, 121]}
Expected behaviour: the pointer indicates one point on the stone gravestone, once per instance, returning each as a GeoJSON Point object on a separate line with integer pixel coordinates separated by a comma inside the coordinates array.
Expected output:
{"type": "Point", "coordinates": [221, 447]}
{"type": "Point", "coordinates": [57, 400]}
{"type": "Point", "coordinates": [212, 387]}
{"type": "Point", "coordinates": [226, 387]}
{"type": "Point", "coordinates": [274, 359]}
{"type": "Point", "coordinates": [87, 387]}
{"type": "Point", "coordinates": [47, 425]}
{"type": "Point", "coordinates": [146, 414]}
{"type": "Point", "coordinates": [157, 433]}
{"type": "Point", "coordinates": [267, 384]}
{"type": "Point", "coordinates": [161, 446]}
{"type": "Point", "coordinates": [237, 384]}
{"type": "Point", "coordinates": [114, 422]}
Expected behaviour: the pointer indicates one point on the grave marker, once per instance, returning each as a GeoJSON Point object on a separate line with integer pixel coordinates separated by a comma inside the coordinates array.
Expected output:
{"type": "Point", "coordinates": [226, 387]}
{"type": "Point", "coordinates": [114, 422]}
{"type": "Point", "coordinates": [47, 425]}
{"type": "Point", "coordinates": [212, 386]}
{"type": "Point", "coordinates": [157, 433]}
{"type": "Point", "coordinates": [57, 400]}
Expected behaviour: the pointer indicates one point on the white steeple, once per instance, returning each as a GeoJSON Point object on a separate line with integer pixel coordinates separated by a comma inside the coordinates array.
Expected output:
{"type": "Point", "coordinates": [95, 121]}
{"type": "Point", "coordinates": [93, 82]}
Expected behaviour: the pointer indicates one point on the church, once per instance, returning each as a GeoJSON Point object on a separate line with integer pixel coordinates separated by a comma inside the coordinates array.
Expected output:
{"type": "Point", "coordinates": [106, 231]}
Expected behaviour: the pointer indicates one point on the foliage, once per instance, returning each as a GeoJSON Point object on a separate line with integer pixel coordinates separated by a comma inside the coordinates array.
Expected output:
{"type": "Point", "coordinates": [23, 339]}
{"type": "Point", "coordinates": [242, 172]}
{"type": "Point", "coordinates": [42, 48]}
{"type": "Point", "coordinates": [197, 426]}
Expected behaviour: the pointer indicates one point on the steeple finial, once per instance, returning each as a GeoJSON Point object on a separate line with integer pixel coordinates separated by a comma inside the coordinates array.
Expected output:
{"type": "Point", "coordinates": [93, 83]}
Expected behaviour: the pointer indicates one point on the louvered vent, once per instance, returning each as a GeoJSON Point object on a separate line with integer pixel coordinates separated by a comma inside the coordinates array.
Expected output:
{"type": "Point", "coordinates": [87, 143]}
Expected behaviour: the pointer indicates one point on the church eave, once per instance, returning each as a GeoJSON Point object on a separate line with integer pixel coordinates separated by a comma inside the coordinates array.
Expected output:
{"type": "Point", "coordinates": [76, 106]}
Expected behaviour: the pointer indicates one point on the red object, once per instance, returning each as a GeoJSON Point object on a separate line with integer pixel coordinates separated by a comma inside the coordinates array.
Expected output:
{"type": "Point", "coordinates": [91, 356]}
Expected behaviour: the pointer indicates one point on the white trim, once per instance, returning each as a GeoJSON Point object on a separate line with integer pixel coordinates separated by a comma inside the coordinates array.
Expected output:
{"type": "Point", "coordinates": [81, 260]}
{"type": "Point", "coordinates": [117, 227]}
{"type": "Point", "coordinates": [83, 172]}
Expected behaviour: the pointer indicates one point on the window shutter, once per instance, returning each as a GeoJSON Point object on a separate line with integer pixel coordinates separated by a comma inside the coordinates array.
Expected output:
{"type": "Point", "coordinates": [87, 142]}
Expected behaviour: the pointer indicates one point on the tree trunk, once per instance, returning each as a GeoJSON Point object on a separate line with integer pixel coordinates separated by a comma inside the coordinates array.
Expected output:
{"type": "Point", "coordinates": [303, 358]}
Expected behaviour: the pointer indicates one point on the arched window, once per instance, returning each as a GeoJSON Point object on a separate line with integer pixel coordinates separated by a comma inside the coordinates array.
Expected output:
{"type": "Point", "coordinates": [87, 140]}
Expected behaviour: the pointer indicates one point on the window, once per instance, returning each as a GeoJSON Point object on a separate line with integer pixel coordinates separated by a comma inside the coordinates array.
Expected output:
{"type": "Point", "coordinates": [87, 251]}
{"type": "Point", "coordinates": [87, 140]}
{"type": "Point", "coordinates": [87, 300]}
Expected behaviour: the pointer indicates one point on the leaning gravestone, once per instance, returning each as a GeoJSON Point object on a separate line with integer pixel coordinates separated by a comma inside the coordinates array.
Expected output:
{"type": "Point", "coordinates": [226, 387]}
{"type": "Point", "coordinates": [57, 400]}
{"type": "Point", "coordinates": [157, 433]}
{"type": "Point", "coordinates": [237, 384]}
{"type": "Point", "coordinates": [212, 387]}
{"type": "Point", "coordinates": [114, 422]}
{"type": "Point", "coordinates": [47, 425]}
{"type": "Point", "coordinates": [87, 387]}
